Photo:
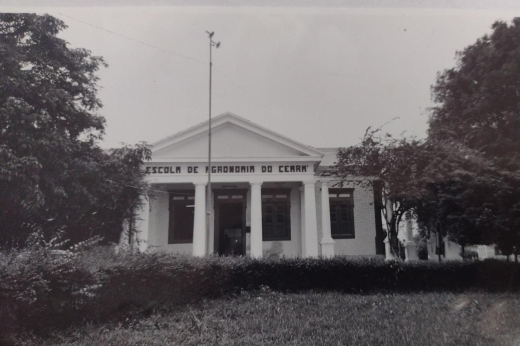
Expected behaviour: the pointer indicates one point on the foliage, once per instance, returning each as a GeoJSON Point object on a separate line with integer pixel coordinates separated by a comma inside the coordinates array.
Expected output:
{"type": "Point", "coordinates": [52, 172]}
{"type": "Point", "coordinates": [465, 177]}
{"type": "Point", "coordinates": [472, 207]}
{"type": "Point", "coordinates": [478, 107]}
{"type": "Point", "coordinates": [455, 194]}
{"type": "Point", "coordinates": [422, 246]}
{"type": "Point", "coordinates": [439, 182]}
{"type": "Point", "coordinates": [40, 292]}
{"type": "Point", "coordinates": [396, 164]}
{"type": "Point", "coordinates": [478, 101]}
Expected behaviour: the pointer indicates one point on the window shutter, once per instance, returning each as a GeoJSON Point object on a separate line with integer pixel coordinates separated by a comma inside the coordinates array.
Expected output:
{"type": "Point", "coordinates": [180, 224]}
{"type": "Point", "coordinates": [342, 213]}
{"type": "Point", "coordinates": [276, 211]}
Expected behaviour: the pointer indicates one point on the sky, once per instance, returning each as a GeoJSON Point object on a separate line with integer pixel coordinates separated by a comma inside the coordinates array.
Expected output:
{"type": "Point", "coordinates": [318, 75]}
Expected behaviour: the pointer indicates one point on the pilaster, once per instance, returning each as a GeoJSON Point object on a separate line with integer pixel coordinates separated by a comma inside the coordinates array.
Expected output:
{"type": "Point", "coordinates": [311, 229]}
{"type": "Point", "coordinates": [302, 219]}
{"type": "Point", "coordinates": [199, 221]}
{"type": "Point", "coordinates": [327, 243]}
{"type": "Point", "coordinates": [256, 220]}
{"type": "Point", "coordinates": [410, 246]}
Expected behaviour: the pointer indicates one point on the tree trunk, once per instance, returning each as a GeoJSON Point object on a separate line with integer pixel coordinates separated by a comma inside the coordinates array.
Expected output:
{"type": "Point", "coordinates": [394, 241]}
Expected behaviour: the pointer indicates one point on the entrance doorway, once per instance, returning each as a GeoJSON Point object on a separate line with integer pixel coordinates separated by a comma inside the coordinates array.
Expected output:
{"type": "Point", "coordinates": [230, 218]}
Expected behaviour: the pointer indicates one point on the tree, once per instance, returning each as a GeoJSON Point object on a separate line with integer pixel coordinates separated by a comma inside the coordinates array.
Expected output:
{"type": "Point", "coordinates": [474, 205]}
{"type": "Point", "coordinates": [506, 225]}
{"type": "Point", "coordinates": [396, 164]}
{"type": "Point", "coordinates": [466, 175]}
{"type": "Point", "coordinates": [478, 101]}
{"type": "Point", "coordinates": [478, 106]}
{"type": "Point", "coordinates": [53, 175]}
{"type": "Point", "coordinates": [435, 181]}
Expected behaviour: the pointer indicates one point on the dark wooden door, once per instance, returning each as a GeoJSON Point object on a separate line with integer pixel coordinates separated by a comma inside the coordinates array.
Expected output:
{"type": "Point", "coordinates": [231, 227]}
{"type": "Point", "coordinates": [230, 222]}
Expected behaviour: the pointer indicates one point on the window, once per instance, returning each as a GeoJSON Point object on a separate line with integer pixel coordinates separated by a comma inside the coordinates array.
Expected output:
{"type": "Point", "coordinates": [180, 228]}
{"type": "Point", "coordinates": [276, 211]}
{"type": "Point", "coordinates": [342, 213]}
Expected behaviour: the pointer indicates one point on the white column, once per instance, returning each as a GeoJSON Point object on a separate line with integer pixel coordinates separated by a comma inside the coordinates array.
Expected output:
{"type": "Point", "coordinates": [447, 246]}
{"type": "Point", "coordinates": [199, 220]}
{"type": "Point", "coordinates": [410, 246]}
{"type": "Point", "coordinates": [388, 251]}
{"type": "Point", "coordinates": [210, 244]}
{"type": "Point", "coordinates": [311, 229]}
{"type": "Point", "coordinates": [327, 243]}
{"type": "Point", "coordinates": [408, 228]}
{"type": "Point", "coordinates": [431, 249]}
{"type": "Point", "coordinates": [256, 220]}
{"type": "Point", "coordinates": [302, 219]}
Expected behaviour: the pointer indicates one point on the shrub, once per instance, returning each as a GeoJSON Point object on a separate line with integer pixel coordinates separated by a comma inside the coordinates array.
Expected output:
{"type": "Point", "coordinates": [40, 292]}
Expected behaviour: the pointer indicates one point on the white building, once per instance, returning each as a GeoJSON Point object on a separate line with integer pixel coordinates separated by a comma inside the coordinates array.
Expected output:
{"type": "Point", "coordinates": [268, 197]}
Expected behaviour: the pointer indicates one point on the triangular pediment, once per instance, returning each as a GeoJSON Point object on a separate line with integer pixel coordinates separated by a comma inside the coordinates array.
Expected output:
{"type": "Point", "coordinates": [233, 138]}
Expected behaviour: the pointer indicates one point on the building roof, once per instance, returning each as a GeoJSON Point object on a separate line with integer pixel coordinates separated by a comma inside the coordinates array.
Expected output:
{"type": "Point", "coordinates": [325, 156]}
{"type": "Point", "coordinates": [329, 157]}
{"type": "Point", "coordinates": [299, 150]}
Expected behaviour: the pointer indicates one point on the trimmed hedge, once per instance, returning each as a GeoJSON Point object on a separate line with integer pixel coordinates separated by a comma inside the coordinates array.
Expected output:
{"type": "Point", "coordinates": [40, 293]}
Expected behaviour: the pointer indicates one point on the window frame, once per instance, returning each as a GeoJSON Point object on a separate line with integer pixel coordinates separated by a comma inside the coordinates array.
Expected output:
{"type": "Point", "coordinates": [335, 203]}
{"type": "Point", "coordinates": [172, 239]}
{"type": "Point", "coordinates": [275, 202]}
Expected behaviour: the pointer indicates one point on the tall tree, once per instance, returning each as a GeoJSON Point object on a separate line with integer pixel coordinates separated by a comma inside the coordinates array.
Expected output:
{"type": "Point", "coordinates": [478, 106]}
{"type": "Point", "coordinates": [478, 101]}
{"type": "Point", "coordinates": [457, 194]}
{"type": "Point", "coordinates": [52, 172]}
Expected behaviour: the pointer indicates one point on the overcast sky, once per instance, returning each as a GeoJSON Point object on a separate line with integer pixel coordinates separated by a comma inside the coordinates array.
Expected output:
{"type": "Point", "coordinates": [320, 76]}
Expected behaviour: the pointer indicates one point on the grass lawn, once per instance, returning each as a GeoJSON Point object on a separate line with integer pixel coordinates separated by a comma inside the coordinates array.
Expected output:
{"type": "Point", "coordinates": [268, 318]}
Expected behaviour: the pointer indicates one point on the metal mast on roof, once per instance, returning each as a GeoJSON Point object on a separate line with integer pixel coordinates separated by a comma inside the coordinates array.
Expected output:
{"type": "Point", "coordinates": [208, 191]}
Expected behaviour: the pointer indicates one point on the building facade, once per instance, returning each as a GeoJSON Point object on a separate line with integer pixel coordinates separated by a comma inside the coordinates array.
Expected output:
{"type": "Point", "coordinates": [270, 197]}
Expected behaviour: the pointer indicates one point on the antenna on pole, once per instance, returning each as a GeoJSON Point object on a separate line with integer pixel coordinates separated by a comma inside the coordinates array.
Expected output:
{"type": "Point", "coordinates": [208, 191]}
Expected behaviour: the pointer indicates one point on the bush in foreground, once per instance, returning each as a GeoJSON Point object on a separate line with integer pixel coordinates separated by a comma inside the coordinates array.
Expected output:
{"type": "Point", "coordinates": [39, 292]}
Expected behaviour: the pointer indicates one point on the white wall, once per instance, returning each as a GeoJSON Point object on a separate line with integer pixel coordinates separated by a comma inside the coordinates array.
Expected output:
{"type": "Point", "coordinates": [451, 249]}
{"type": "Point", "coordinates": [364, 243]}
{"type": "Point", "coordinates": [158, 233]}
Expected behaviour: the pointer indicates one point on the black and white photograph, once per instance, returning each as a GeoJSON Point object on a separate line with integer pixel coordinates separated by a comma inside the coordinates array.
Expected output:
{"type": "Point", "coordinates": [336, 172]}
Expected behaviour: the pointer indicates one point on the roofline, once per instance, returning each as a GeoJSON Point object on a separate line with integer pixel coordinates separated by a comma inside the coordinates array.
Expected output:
{"type": "Point", "coordinates": [160, 143]}
{"type": "Point", "coordinates": [236, 159]}
{"type": "Point", "coordinates": [177, 134]}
